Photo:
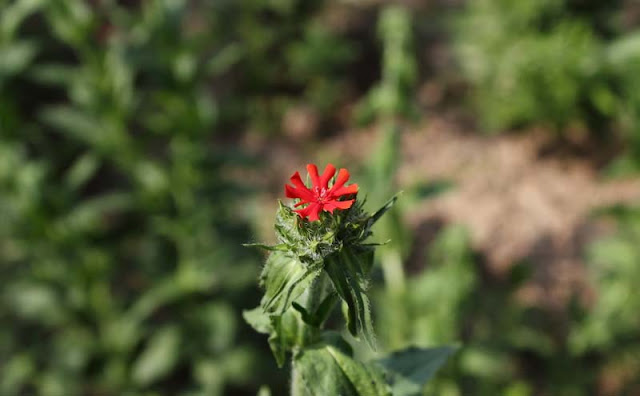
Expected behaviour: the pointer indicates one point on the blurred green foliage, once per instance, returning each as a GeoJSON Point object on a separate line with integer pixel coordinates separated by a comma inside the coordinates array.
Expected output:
{"type": "Point", "coordinates": [536, 61]}
{"type": "Point", "coordinates": [556, 63]}
{"type": "Point", "coordinates": [509, 347]}
{"type": "Point", "coordinates": [609, 326]}
{"type": "Point", "coordinates": [121, 221]}
{"type": "Point", "coordinates": [550, 63]}
{"type": "Point", "coordinates": [393, 95]}
{"type": "Point", "coordinates": [121, 265]}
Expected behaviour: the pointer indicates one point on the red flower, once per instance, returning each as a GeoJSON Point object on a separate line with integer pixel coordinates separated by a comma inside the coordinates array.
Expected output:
{"type": "Point", "coordinates": [320, 197]}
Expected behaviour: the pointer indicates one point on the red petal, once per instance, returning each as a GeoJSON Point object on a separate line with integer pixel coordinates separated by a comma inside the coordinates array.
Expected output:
{"type": "Point", "coordinates": [313, 172]}
{"type": "Point", "coordinates": [304, 196]}
{"type": "Point", "coordinates": [297, 181]}
{"type": "Point", "coordinates": [314, 212]}
{"type": "Point", "coordinates": [328, 173]}
{"type": "Point", "coordinates": [343, 176]}
{"type": "Point", "coordinates": [291, 192]}
{"type": "Point", "coordinates": [304, 212]}
{"type": "Point", "coordinates": [310, 211]}
{"type": "Point", "coordinates": [351, 189]}
{"type": "Point", "coordinates": [301, 191]}
{"type": "Point", "coordinates": [331, 206]}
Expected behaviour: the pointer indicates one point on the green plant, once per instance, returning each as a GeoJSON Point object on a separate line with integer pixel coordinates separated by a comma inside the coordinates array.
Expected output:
{"type": "Point", "coordinates": [321, 259]}
{"type": "Point", "coordinates": [393, 95]}
{"type": "Point", "coordinates": [533, 62]}
{"type": "Point", "coordinates": [623, 60]}
{"type": "Point", "coordinates": [608, 328]}
{"type": "Point", "coordinates": [118, 228]}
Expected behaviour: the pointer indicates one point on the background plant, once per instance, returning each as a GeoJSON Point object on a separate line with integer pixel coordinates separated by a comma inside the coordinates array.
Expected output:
{"type": "Point", "coordinates": [550, 68]}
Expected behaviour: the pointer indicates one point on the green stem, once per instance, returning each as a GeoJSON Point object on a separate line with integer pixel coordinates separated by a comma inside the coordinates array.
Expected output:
{"type": "Point", "coordinates": [393, 272]}
{"type": "Point", "coordinates": [394, 277]}
{"type": "Point", "coordinates": [297, 384]}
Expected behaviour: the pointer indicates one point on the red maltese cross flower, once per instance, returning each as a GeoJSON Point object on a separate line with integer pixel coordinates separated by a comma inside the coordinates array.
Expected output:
{"type": "Point", "coordinates": [320, 197]}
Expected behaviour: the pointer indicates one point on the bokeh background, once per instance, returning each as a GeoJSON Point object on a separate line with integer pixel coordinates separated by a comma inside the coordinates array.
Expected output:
{"type": "Point", "coordinates": [142, 142]}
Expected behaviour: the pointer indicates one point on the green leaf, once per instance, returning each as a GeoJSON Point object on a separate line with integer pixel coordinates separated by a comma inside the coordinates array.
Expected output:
{"type": "Point", "coordinates": [36, 301]}
{"type": "Point", "coordinates": [283, 335]}
{"type": "Point", "coordinates": [284, 279]}
{"type": "Point", "coordinates": [277, 340]}
{"type": "Point", "coordinates": [306, 316]}
{"type": "Point", "coordinates": [225, 59]}
{"type": "Point", "coordinates": [378, 214]}
{"type": "Point", "coordinates": [74, 123]}
{"type": "Point", "coordinates": [325, 308]}
{"type": "Point", "coordinates": [258, 319]}
{"type": "Point", "coordinates": [272, 248]}
{"type": "Point", "coordinates": [347, 271]}
{"type": "Point", "coordinates": [13, 15]}
{"type": "Point", "coordinates": [282, 330]}
{"type": "Point", "coordinates": [16, 57]}
{"type": "Point", "coordinates": [366, 378]}
{"type": "Point", "coordinates": [158, 358]}
{"type": "Point", "coordinates": [53, 74]}
{"type": "Point", "coordinates": [318, 317]}
{"type": "Point", "coordinates": [16, 372]}
{"type": "Point", "coordinates": [264, 391]}
{"type": "Point", "coordinates": [82, 170]}
{"type": "Point", "coordinates": [89, 217]}
{"type": "Point", "coordinates": [411, 368]}
{"type": "Point", "coordinates": [325, 370]}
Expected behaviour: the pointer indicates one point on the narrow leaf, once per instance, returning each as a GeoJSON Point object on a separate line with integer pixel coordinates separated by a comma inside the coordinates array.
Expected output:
{"type": "Point", "coordinates": [378, 214]}
{"type": "Point", "coordinates": [158, 358]}
{"type": "Point", "coordinates": [318, 317]}
{"type": "Point", "coordinates": [306, 316]}
{"type": "Point", "coordinates": [325, 308]}
{"type": "Point", "coordinates": [272, 248]}
{"type": "Point", "coordinates": [347, 273]}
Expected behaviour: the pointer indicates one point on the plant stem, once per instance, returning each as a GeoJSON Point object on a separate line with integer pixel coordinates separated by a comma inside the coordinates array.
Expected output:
{"type": "Point", "coordinates": [393, 272]}
{"type": "Point", "coordinates": [297, 384]}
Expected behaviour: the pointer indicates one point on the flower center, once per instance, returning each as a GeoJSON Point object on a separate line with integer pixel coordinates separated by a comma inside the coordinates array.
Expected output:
{"type": "Point", "coordinates": [321, 193]}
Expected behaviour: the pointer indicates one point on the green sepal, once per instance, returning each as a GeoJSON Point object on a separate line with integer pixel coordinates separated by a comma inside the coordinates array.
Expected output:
{"type": "Point", "coordinates": [272, 248]}
{"type": "Point", "coordinates": [375, 244]}
{"type": "Point", "coordinates": [348, 271]}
